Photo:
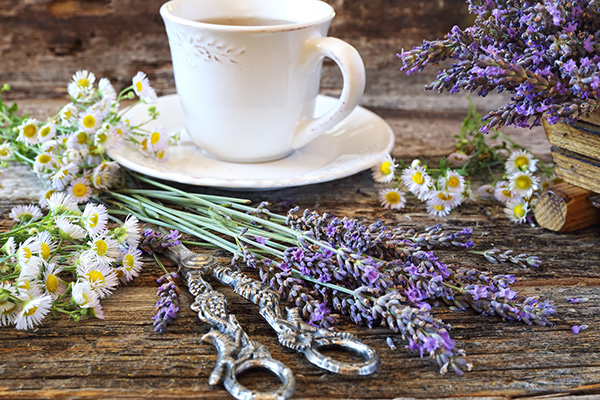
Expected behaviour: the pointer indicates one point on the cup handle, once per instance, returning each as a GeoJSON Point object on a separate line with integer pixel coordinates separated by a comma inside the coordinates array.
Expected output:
{"type": "Point", "coordinates": [353, 73]}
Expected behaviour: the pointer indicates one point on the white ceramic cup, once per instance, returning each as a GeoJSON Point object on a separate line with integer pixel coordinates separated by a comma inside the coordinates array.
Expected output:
{"type": "Point", "coordinates": [248, 92]}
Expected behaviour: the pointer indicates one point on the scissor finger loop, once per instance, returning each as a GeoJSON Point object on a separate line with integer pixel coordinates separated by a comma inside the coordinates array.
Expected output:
{"type": "Point", "coordinates": [241, 392]}
{"type": "Point", "coordinates": [370, 358]}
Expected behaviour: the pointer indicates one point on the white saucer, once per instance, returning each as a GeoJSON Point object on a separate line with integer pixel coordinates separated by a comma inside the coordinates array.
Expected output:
{"type": "Point", "coordinates": [351, 146]}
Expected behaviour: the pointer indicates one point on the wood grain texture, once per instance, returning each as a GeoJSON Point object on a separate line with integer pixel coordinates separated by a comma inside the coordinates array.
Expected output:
{"type": "Point", "coordinates": [564, 207]}
{"type": "Point", "coordinates": [577, 169]}
{"type": "Point", "coordinates": [120, 357]}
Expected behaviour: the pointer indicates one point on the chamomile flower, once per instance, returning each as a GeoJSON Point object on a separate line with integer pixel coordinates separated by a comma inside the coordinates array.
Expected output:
{"type": "Point", "coordinates": [33, 310]}
{"type": "Point", "coordinates": [7, 294]}
{"type": "Point", "coordinates": [26, 251]}
{"type": "Point", "coordinates": [383, 170]}
{"type": "Point", "coordinates": [68, 230]}
{"type": "Point", "coordinates": [44, 162]}
{"type": "Point", "coordinates": [157, 140]}
{"type": "Point", "coordinates": [457, 160]}
{"type": "Point", "coordinates": [60, 203]}
{"type": "Point", "coordinates": [438, 210]}
{"type": "Point", "coordinates": [486, 192]}
{"type": "Point", "coordinates": [47, 132]}
{"type": "Point", "coordinates": [523, 184]}
{"type": "Point", "coordinates": [47, 245]}
{"type": "Point", "coordinates": [516, 210]}
{"type": "Point", "coordinates": [6, 152]}
{"type": "Point", "coordinates": [43, 202]}
{"type": "Point", "coordinates": [85, 297]}
{"type": "Point", "coordinates": [392, 198]}
{"type": "Point", "coordinates": [90, 120]}
{"type": "Point", "coordinates": [81, 85]}
{"type": "Point", "coordinates": [106, 90]}
{"type": "Point", "coordinates": [416, 180]}
{"type": "Point", "coordinates": [63, 175]}
{"type": "Point", "coordinates": [520, 161]}
{"type": "Point", "coordinates": [53, 284]}
{"type": "Point", "coordinates": [104, 174]}
{"type": "Point", "coordinates": [453, 182]}
{"type": "Point", "coordinates": [94, 218]}
{"type": "Point", "coordinates": [502, 193]}
{"type": "Point", "coordinates": [26, 213]}
{"type": "Point", "coordinates": [142, 88]}
{"type": "Point", "coordinates": [129, 232]}
{"type": "Point", "coordinates": [68, 115]}
{"type": "Point", "coordinates": [131, 264]}
{"type": "Point", "coordinates": [101, 277]}
{"type": "Point", "coordinates": [162, 156]}
{"type": "Point", "coordinates": [80, 189]}
{"type": "Point", "coordinates": [444, 198]}
{"type": "Point", "coordinates": [28, 131]}
{"type": "Point", "coordinates": [10, 247]}
{"type": "Point", "coordinates": [103, 248]}
{"type": "Point", "coordinates": [8, 316]}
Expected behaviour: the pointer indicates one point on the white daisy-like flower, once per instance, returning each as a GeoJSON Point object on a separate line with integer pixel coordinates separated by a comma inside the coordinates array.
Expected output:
{"type": "Point", "coordinates": [129, 232]}
{"type": "Point", "coordinates": [6, 152]}
{"type": "Point", "coordinates": [438, 210]}
{"type": "Point", "coordinates": [142, 88]}
{"type": "Point", "coordinates": [103, 107]}
{"type": "Point", "coordinates": [101, 277]}
{"type": "Point", "coordinates": [47, 132]}
{"type": "Point", "coordinates": [53, 284]}
{"type": "Point", "coordinates": [7, 290]}
{"type": "Point", "coordinates": [486, 192]}
{"type": "Point", "coordinates": [25, 252]}
{"type": "Point", "coordinates": [131, 265]}
{"type": "Point", "coordinates": [81, 85]}
{"type": "Point", "coordinates": [162, 156]}
{"type": "Point", "coordinates": [44, 162]}
{"type": "Point", "coordinates": [392, 198]}
{"type": "Point", "coordinates": [86, 297]}
{"type": "Point", "coordinates": [26, 213]}
{"type": "Point", "coordinates": [61, 203]}
{"type": "Point", "coordinates": [50, 147]}
{"type": "Point", "coordinates": [104, 174]}
{"type": "Point", "coordinates": [383, 170]}
{"type": "Point", "coordinates": [64, 175]}
{"type": "Point", "coordinates": [68, 115]}
{"type": "Point", "coordinates": [520, 161]}
{"type": "Point", "coordinates": [502, 193]}
{"type": "Point", "coordinates": [33, 310]}
{"type": "Point", "coordinates": [43, 202]}
{"type": "Point", "coordinates": [68, 230]}
{"type": "Point", "coordinates": [457, 160]}
{"type": "Point", "coordinates": [106, 90]}
{"type": "Point", "coordinates": [90, 120]}
{"type": "Point", "coordinates": [104, 248]}
{"type": "Point", "coordinates": [10, 247]}
{"type": "Point", "coordinates": [121, 130]}
{"type": "Point", "coordinates": [28, 131]}
{"type": "Point", "coordinates": [417, 181]}
{"type": "Point", "coordinates": [445, 198]}
{"type": "Point", "coordinates": [516, 210]}
{"type": "Point", "coordinates": [94, 218]}
{"type": "Point", "coordinates": [157, 140]}
{"type": "Point", "coordinates": [47, 245]}
{"type": "Point", "coordinates": [453, 182]}
{"type": "Point", "coordinates": [80, 189]}
{"type": "Point", "coordinates": [523, 184]}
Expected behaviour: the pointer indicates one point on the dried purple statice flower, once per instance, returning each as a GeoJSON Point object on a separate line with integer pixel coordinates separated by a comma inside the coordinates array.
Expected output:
{"type": "Point", "coordinates": [167, 306]}
{"type": "Point", "coordinates": [544, 53]}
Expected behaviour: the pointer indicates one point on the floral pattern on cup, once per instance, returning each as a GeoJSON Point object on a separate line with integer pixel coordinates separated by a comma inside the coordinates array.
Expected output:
{"type": "Point", "coordinates": [199, 48]}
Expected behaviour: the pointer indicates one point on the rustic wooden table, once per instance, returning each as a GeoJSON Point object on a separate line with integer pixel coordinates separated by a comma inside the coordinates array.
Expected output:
{"type": "Point", "coordinates": [121, 356]}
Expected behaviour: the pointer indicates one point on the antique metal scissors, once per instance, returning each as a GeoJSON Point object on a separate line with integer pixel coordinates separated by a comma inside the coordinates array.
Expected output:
{"type": "Point", "coordinates": [237, 352]}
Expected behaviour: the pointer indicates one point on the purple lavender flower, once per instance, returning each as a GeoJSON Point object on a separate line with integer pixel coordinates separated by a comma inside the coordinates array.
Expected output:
{"type": "Point", "coordinates": [167, 306]}
{"type": "Point", "coordinates": [156, 242]}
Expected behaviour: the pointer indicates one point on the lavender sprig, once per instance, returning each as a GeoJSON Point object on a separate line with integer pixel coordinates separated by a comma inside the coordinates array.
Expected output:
{"type": "Point", "coordinates": [496, 257]}
{"type": "Point", "coordinates": [168, 305]}
{"type": "Point", "coordinates": [545, 54]}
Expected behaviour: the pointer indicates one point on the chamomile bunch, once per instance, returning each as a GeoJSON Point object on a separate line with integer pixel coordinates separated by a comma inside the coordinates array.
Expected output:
{"type": "Point", "coordinates": [69, 150]}
{"type": "Point", "coordinates": [64, 260]}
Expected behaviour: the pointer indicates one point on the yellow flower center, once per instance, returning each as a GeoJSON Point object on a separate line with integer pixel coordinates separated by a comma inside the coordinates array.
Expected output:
{"type": "Point", "coordinates": [453, 181]}
{"type": "Point", "coordinates": [392, 197]}
{"type": "Point", "coordinates": [161, 155]}
{"type": "Point", "coordinates": [439, 207]}
{"type": "Point", "coordinates": [386, 168]}
{"type": "Point", "coordinates": [79, 190]}
{"type": "Point", "coordinates": [128, 262]}
{"type": "Point", "coordinates": [52, 283]}
{"type": "Point", "coordinates": [82, 137]}
{"type": "Point", "coordinates": [119, 273]}
{"type": "Point", "coordinates": [93, 220]}
{"type": "Point", "coordinates": [444, 197]}
{"type": "Point", "coordinates": [30, 312]}
{"type": "Point", "coordinates": [101, 137]}
{"type": "Point", "coordinates": [44, 158]}
{"type": "Point", "coordinates": [45, 251]}
{"type": "Point", "coordinates": [101, 247]}
{"type": "Point", "coordinates": [29, 131]}
{"type": "Point", "coordinates": [519, 211]}
{"type": "Point", "coordinates": [45, 131]}
{"type": "Point", "coordinates": [155, 137]}
{"type": "Point", "coordinates": [139, 86]}
{"type": "Point", "coordinates": [25, 285]}
{"type": "Point", "coordinates": [144, 144]}
{"type": "Point", "coordinates": [89, 121]}
{"type": "Point", "coordinates": [119, 131]}
{"type": "Point", "coordinates": [4, 151]}
{"type": "Point", "coordinates": [10, 310]}
{"type": "Point", "coordinates": [83, 83]}
{"type": "Point", "coordinates": [523, 182]}
{"type": "Point", "coordinates": [96, 277]}
{"type": "Point", "coordinates": [417, 178]}
{"type": "Point", "coordinates": [67, 114]}
{"type": "Point", "coordinates": [507, 193]}
{"type": "Point", "coordinates": [27, 253]}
